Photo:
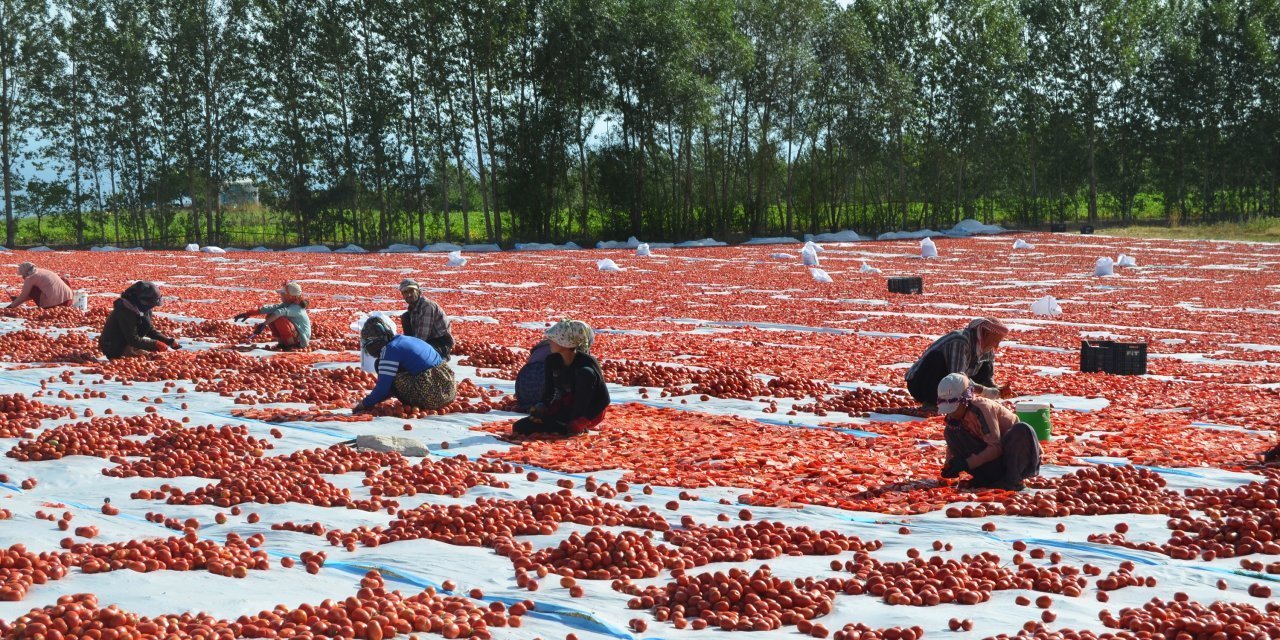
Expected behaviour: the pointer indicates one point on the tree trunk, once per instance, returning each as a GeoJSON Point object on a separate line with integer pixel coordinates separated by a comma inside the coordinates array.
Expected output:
{"type": "Point", "coordinates": [1093, 174]}
{"type": "Point", "coordinates": [475, 129]}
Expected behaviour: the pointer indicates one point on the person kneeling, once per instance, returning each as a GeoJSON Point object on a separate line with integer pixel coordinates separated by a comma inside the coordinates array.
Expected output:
{"type": "Point", "coordinates": [574, 395]}
{"type": "Point", "coordinates": [408, 369]}
{"type": "Point", "coordinates": [289, 323]}
{"type": "Point", "coordinates": [128, 332]}
{"type": "Point", "coordinates": [985, 438]}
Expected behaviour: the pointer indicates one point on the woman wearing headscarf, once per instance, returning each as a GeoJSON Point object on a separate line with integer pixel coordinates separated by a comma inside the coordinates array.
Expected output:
{"type": "Point", "coordinates": [574, 395]}
{"type": "Point", "coordinates": [45, 287]}
{"type": "Point", "coordinates": [407, 367]}
{"type": "Point", "coordinates": [288, 321]}
{"type": "Point", "coordinates": [128, 331]}
{"type": "Point", "coordinates": [970, 351]}
{"type": "Point", "coordinates": [985, 438]}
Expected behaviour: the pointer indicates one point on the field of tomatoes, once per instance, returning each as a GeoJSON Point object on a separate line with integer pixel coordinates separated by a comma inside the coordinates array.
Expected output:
{"type": "Point", "coordinates": [762, 468]}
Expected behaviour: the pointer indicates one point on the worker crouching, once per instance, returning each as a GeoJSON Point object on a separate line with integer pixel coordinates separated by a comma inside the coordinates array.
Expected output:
{"type": "Point", "coordinates": [984, 438]}
{"type": "Point", "coordinates": [574, 395]}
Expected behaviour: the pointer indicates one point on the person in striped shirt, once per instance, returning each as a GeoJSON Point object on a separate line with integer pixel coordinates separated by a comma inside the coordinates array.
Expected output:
{"type": "Point", "coordinates": [408, 368]}
{"type": "Point", "coordinates": [970, 351]}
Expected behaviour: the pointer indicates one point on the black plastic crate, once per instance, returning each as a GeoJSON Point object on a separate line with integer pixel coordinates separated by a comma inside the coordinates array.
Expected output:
{"type": "Point", "coordinates": [1086, 230]}
{"type": "Point", "coordinates": [1058, 227]}
{"type": "Point", "coordinates": [1129, 358]}
{"type": "Point", "coordinates": [1096, 355]}
{"type": "Point", "coordinates": [1119, 358]}
{"type": "Point", "coordinates": [906, 284]}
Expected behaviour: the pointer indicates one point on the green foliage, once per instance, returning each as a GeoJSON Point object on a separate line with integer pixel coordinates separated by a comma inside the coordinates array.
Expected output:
{"type": "Point", "coordinates": [373, 122]}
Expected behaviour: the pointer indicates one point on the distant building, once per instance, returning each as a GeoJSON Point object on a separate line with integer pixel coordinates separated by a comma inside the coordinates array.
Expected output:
{"type": "Point", "coordinates": [239, 193]}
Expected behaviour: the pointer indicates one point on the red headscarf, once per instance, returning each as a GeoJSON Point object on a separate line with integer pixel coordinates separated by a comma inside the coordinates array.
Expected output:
{"type": "Point", "coordinates": [989, 326]}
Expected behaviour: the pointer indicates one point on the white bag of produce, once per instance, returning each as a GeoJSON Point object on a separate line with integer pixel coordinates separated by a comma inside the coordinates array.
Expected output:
{"type": "Point", "coordinates": [1046, 306]}
{"type": "Point", "coordinates": [928, 249]}
{"type": "Point", "coordinates": [1104, 267]}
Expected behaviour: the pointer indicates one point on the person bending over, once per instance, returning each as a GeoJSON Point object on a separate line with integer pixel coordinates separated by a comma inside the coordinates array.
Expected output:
{"type": "Point", "coordinates": [128, 332]}
{"type": "Point", "coordinates": [425, 320]}
{"type": "Point", "coordinates": [289, 323]}
{"type": "Point", "coordinates": [408, 369]}
{"type": "Point", "coordinates": [970, 351]}
{"type": "Point", "coordinates": [574, 395]}
{"type": "Point", "coordinates": [46, 288]}
{"type": "Point", "coordinates": [985, 438]}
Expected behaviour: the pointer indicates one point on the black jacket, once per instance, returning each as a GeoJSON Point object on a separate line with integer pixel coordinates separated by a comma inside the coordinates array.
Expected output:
{"type": "Point", "coordinates": [574, 390]}
{"type": "Point", "coordinates": [126, 327]}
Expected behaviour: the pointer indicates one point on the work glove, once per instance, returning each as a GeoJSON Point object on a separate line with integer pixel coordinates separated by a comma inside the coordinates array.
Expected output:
{"type": "Point", "coordinates": [258, 329]}
{"type": "Point", "coordinates": [954, 466]}
{"type": "Point", "coordinates": [161, 347]}
{"type": "Point", "coordinates": [991, 392]}
{"type": "Point", "coordinates": [241, 317]}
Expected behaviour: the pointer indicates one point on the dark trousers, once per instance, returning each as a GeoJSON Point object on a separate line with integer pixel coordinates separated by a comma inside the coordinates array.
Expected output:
{"type": "Point", "coordinates": [1020, 458]}
{"type": "Point", "coordinates": [924, 385]}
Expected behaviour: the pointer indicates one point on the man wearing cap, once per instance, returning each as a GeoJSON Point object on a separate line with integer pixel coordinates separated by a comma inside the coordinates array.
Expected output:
{"type": "Point", "coordinates": [970, 351]}
{"type": "Point", "coordinates": [289, 323]}
{"type": "Point", "coordinates": [425, 320]}
{"type": "Point", "coordinates": [45, 287]}
{"type": "Point", "coordinates": [985, 438]}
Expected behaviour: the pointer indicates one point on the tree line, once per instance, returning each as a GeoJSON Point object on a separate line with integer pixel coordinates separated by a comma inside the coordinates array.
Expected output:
{"type": "Point", "coordinates": [375, 121]}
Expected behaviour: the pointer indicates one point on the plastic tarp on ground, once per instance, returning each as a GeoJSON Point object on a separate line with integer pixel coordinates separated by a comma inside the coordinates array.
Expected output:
{"type": "Point", "coordinates": [111, 249]}
{"type": "Point", "coordinates": [630, 243]}
{"type": "Point", "coordinates": [442, 247]}
{"type": "Point", "coordinates": [839, 236]}
{"type": "Point", "coordinates": [705, 242]}
{"type": "Point", "coordinates": [352, 248]}
{"type": "Point", "coordinates": [40, 248]}
{"type": "Point", "coordinates": [481, 248]}
{"type": "Point", "coordinates": [963, 229]}
{"type": "Point", "coordinates": [315, 248]}
{"type": "Point", "coordinates": [971, 227]}
{"type": "Point", "coordinates": [543, 246]}
{"type": "Point", "coordinates": [778, 240]}
{"type": "Point", "coordinates": [909, 235]}
{"type": "Point", "coordinates": [400, 248]}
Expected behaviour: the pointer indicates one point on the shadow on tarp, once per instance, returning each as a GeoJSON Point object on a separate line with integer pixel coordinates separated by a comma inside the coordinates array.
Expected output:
{"type": "Point", "coordinates": [567, 616]}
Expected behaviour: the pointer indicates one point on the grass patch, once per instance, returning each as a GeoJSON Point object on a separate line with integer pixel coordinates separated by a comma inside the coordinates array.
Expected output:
{"type": "Point", "coordinates": [1257, 230]}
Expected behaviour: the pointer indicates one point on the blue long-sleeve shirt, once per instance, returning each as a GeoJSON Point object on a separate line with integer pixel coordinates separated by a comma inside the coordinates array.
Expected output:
{"type": "Point", "coordinates": [404, 354]}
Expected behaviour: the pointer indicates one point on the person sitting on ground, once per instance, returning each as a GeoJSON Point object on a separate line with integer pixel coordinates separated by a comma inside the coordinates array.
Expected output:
{"type": "Point", "coordinates": [408, 369]}
{"type": "Point", "coordinates": [425, 320]}
{"type": "Point", "coordinates": [985, 438]}
{"type": "Point", "coordinates": [574, 395]}
{"type": "Point", "coordinates": [45, 287]}
{"type": "Point", "coordinates": [970, 351]}
{"type": "Point", "coordinates": [531, 379]}
{"type": "Point", "coordinates": [128, 332]}
{"type": "Point", "coordinates": [289, 323]}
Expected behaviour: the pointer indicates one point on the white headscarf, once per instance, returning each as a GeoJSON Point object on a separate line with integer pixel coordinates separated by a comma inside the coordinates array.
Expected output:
{"type": "Point", "coordinates": [572, 334]}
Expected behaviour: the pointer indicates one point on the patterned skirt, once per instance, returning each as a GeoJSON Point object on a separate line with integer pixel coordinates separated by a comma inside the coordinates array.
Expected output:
{"type": "Point", "coordinates": [432, 389]}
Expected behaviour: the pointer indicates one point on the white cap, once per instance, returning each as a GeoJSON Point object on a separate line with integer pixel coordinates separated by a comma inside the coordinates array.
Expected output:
{"type": "Point", "coordinates": [951, 392]}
